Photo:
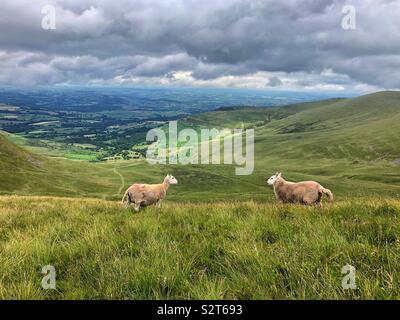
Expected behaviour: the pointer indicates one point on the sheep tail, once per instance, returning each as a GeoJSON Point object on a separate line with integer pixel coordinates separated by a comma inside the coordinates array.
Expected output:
{"type": "Point", "coordinates": [328, 193]}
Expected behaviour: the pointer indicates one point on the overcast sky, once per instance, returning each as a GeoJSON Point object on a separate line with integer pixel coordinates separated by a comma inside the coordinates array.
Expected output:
{"type": "Point", "coordinates": [292, 44]}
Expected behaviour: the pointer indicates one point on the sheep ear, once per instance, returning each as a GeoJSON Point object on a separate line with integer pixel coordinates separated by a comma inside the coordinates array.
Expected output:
{"type": "Point", "coordinates": [279, 174]}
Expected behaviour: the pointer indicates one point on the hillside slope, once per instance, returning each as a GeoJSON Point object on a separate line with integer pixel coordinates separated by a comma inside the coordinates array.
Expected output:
{"type": "Point", "coordinates": [350, 145]}
{"type": "Point", "coordinates": [23, 172]}
{"type": "Point", "coordinates": [363, 128]}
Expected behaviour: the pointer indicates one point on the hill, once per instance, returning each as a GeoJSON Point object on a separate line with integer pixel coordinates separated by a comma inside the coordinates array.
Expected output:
{"type": "Point", "coordinates": [351, 145]}
{"type": "Point", "coordinates": [26, 173]}
{"type": "Point", "coordinates": [362, 128]}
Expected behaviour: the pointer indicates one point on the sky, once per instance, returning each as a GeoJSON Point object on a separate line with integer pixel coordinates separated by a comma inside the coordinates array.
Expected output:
{"type": "Point", "coordinates": [262, 44]}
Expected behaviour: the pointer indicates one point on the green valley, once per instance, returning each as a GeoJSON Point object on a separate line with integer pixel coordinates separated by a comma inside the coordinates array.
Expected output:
{"type": "Point", "coordinates": [349, 145]}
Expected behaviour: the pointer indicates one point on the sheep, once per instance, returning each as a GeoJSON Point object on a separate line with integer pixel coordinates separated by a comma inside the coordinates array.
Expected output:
{"type": "Point", "coordinates": [147, 194]}
{"type": "Point", "coordinates": [306, 192]}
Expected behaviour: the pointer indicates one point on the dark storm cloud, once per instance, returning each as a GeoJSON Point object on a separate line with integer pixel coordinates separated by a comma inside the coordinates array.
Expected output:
{"type": "Point", "coordinates": [274, 82]}
{"type": "Point", "coordinates": [98, 40]}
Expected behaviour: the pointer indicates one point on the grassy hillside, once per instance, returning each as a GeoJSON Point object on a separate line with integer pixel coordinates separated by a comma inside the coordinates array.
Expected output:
{"type": "Point", "coordinates": [354, 143]}
{"type": "Point", "coordinates": [23, 172]}
{"type": "Point", "coordinates": [351, 146]}
{"type": "Point", "coordinates": [230, 250]}
{"type": "Point", "coordinates": [362, 129]}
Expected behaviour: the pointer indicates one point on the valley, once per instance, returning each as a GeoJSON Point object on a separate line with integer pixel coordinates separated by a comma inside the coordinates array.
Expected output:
{"type": "Point", "coordinates": [98, 124]}
{"type": "Point", "coordinates": [349, 145]}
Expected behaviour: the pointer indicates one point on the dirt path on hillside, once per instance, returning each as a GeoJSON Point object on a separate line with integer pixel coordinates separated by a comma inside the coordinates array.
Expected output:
{"type": "Point", "coordinates": [122, 180]}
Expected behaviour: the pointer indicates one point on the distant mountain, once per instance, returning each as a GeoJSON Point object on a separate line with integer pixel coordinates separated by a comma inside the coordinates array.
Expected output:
{"type": "Point", "coordinates": [363, 128]}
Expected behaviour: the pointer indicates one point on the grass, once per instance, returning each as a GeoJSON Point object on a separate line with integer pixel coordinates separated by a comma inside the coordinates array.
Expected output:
{"type": "Point", "coordinates": [228, 250]}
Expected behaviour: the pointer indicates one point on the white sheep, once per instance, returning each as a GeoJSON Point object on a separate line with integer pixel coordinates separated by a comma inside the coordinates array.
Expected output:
{"type": "Point", "coordinates": [147, 194]}
{"type": "Point", "coordinates": [306, 192]}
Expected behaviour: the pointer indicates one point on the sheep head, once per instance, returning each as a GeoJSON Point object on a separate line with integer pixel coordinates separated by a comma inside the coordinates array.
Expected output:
{"type": "Point", "coordinates": [171, 179]}
{"type": "Point", "coordinates": [271, 181]}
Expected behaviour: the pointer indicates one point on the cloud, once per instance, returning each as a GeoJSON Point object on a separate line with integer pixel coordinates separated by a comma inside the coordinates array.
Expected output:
{"type": "Point", "coordinates": [274, 82]}
{"type": "Point", "coordinates": [262, 43]}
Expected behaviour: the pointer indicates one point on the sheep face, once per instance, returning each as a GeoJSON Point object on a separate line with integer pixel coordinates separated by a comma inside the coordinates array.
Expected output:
{"type": "Point", "coordinates": [271, 181]}
{"type": "Point", "coordinates": [172, 179]}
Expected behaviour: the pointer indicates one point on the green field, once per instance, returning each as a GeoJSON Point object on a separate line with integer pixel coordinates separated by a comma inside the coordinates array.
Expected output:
{"type": "Point", "coordinates": [219, 235]}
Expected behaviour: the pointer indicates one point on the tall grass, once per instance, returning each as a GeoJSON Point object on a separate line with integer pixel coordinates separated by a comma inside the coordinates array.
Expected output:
{"type": "Point", "coordinates": [226, 250]}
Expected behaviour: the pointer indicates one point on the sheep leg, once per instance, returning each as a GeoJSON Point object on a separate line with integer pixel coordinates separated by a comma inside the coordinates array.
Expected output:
{"type": "Point", "coordinates": [310, 198]}
{"type": "Point", "coordinates": [319, 199]}
{"type": "Point", "coordinates": [137, 206]}
{"type": "Point", "coordinates": [158, 203]}
{"type": "Point", "coordinates": [126, 203]}
{"type": "Point", "coordinates": [126, 200]}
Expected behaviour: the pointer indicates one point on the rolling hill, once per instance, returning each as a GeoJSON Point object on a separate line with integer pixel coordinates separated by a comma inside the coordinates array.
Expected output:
{"type": "Point", "coordinates": [351, 145]}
